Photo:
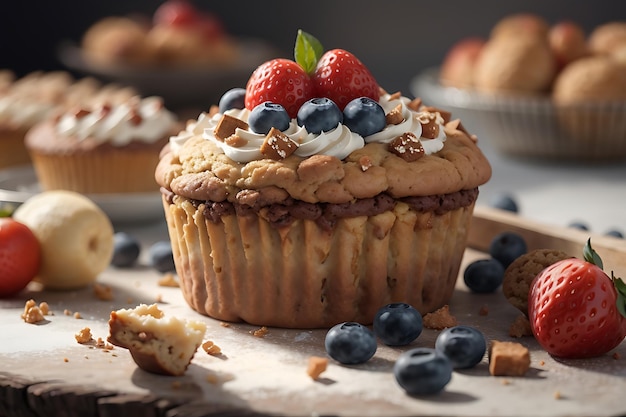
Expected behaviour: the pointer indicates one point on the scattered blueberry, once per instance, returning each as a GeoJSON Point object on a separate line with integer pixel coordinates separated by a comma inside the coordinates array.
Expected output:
{"type": "Point", "coordinates": [615, 233]}
{"type": "Point", "coordinates": [364, 116]}
{"type": "Point", "coordinates": [422, 371]}
{"type": "Point", "coordinates": [579, 225]}
{"type": "Point", "coordinates": [397, 324]}
{"type": "Point", "coordinates": [319, 115]}
{"type": "Point", "coordinates": [268, 115]}
{"type": "Point", "coordinates": [484, 275]}
{"type": "Point", "coordinates": [504, 202]}
{"type": "Point", "coordinates": [126, 250]}
{"type": "Point", "coordinates": [161, 256]}
{"type": "Point", "coordinates": [465, 346]}
{"type": "Point", "coordinates": [232, 99]}
{"type": "Point", "coordinates": [507, 247]}
{"type": "Point", "coordinates": [350, 343]}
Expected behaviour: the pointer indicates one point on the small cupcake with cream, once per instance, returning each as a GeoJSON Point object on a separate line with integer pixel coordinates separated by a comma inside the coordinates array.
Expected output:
{"type": "Point", "coordinates": [102, 148]}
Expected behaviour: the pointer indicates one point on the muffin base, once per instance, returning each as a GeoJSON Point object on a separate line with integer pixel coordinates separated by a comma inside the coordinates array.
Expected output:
{"type": "Point", "coordinates": [113, 171]}
{"type": "Point", "coordinates": [241, 268]}
{"type": "Point", "coordinates": [13, 152]}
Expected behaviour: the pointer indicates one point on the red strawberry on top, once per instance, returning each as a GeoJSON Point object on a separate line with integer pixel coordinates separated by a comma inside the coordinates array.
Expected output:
{"type": "Point", "coordinates": [575, 309]}
{"type": "Point", "coordinates": [280, 81]}
{"type": "Point", "coordinates": [341, 77]}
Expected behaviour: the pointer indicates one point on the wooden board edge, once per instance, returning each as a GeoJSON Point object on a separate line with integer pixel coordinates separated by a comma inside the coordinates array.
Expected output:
{"type": "Point", "coordinates": [487, 222]}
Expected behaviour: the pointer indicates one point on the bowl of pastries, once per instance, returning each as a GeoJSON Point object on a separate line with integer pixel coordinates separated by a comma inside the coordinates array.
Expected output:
{"type": "Point", "coordinates": [538, 90]}
{"type": "Point", "coordinates": [181, 53]}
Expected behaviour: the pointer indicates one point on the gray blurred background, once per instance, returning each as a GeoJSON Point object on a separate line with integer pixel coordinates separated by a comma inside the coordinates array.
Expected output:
{"type": "Point", "coordinates": [396, 39]}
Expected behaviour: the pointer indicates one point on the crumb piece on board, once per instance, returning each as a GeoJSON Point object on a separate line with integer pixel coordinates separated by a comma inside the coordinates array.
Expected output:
{"type": "Point", "coordinates": [317, 365]}
{"type": "Point", "coordinates": [103, 292]}
{"type": "Point", "coordinates": [84, 335]}
{"type": "Point", "coordinates": [483, 311]}
{"type": "Point", "coordinates": [211, 348]}
{"type": "Point", "coordinates": [439, 319]}
{"type": "Point", "coordinates": [33, 313]}
{"type": "Point", "coordinates": [77, 315]}
{"type": "Point", "coordinates": [508, 359]}
{"type": "Point", "coordinates": [168, 280]}
{"type": "Point", "coordinates": [260, 332]}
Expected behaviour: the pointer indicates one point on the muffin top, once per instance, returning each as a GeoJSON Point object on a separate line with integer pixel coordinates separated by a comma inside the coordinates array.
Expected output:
{"type": "Point", "coordinates": [198, 166]}
{"type": "Point", "coordinates": [319, 130]}
{"type": "Point", "coordinates": [134, 122]}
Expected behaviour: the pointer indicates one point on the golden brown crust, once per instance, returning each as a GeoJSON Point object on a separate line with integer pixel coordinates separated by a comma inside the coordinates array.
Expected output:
{"type": "Point", "coordinates": [606, 38]}
{"type": "Point", "coordinates": [202, 172]}
{"type": "Point", "coordinates": [595, 78]}
{"type": "Point", "coordinates": [520, 273]}
{"type": "Point", "coordinates": [504, 65]}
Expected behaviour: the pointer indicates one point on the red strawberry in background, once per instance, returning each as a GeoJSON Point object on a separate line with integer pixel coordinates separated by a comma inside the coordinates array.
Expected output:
{"type": "Point", "coordinates": [575, 309]}
{"type": "Point", "coordinates": [280, 81]}
{"type": "Point", "coordinates": [341, 77]}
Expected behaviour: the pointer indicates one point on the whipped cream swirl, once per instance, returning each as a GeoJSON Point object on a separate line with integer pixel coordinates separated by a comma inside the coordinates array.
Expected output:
{"type": "Point", "coordinates": [145, 120]}
{"type": "Point", "coordinates": [338, 142]}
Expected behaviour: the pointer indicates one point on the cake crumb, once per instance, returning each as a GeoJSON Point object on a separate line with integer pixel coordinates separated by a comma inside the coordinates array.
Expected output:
{"type": "Point", "coordinates": [77, 315]}
{"type": "Point", "coordinates": [84, 335]}
{"type": "Point", "coordinates": [616, 355]}
{"type": "Point", "coordinates": [483, 311]}
{"type": "Point", "coordinates": [558, 395]}
{"type": "Point", "coordinates": [168, 280]}
{"type": "Point", "coordinates": [177, 385]}
{"type": "Point", "coordinates": [542, 363]}
{"type": "Point", "coordinates": [260, 332]}
{"type": "Point", "coordinates": [103, 292]}
{"type": "Point", "coordinates": [66, 360]}
{"type": "Point", "coordinates": [520, 327]}
{"type": "Point", "coordinates": [508, 359]}
{"type": "Point", "coordinates": [99, 343]}
{"type": "Point", "coordinates": [32, 313]}
{"type": "Point", "coordinates": [212, 379]}
{"type": "Point", "coordinates": [158, 298]}
{"type": "Point", "coordinates": [211, 348]}
{"type": "Point", "coordinates": [439, 319]}
{"type": "Point", "coordinates": [317, 365]}
{"type": "Point", "coordinates": [505, 382]}
{"type": "Point", "coordinates": [45, 308]}
{"type": "Point", "coordinates": [67, 312]}
{"type": "Point", "coordinates": [224, 324]}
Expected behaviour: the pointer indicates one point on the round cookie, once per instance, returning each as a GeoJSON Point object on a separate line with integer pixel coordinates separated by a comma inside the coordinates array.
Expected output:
{"type": "Point", "coordinates": [519, 275]}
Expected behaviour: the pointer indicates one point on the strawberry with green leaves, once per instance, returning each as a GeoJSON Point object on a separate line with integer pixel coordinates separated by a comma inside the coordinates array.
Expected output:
{"type": "Point", "coordinates": [575, 309]}
{"type": "Point", "coordinates": [335, 74]}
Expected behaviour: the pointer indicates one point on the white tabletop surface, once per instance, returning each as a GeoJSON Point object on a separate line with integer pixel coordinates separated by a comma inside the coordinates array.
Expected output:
{"type": "Point", "coordinates": [560, 193]}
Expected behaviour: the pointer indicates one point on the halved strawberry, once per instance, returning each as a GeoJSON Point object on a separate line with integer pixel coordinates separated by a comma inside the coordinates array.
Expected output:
{"type": "Point", "coordinates": [280, 81]}
{"type": "Point", "coordinates": [341, 77]}
{"type": "Point", "coordinates": [575, 309]}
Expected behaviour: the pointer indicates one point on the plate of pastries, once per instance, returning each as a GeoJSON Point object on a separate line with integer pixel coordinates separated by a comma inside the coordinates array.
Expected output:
{"type": "Point", "coordinates": [536, 89]}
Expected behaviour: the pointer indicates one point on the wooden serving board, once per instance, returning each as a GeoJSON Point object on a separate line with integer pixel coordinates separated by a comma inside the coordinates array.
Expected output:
{"type": "Point", "coordinates": [44, 371]}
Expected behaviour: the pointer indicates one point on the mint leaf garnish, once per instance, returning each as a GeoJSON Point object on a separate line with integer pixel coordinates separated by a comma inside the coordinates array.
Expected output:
{"type": "Point", "coordinates": [308, 51]}
{"type": "Point", "coordinates": [620, 286]}
{"type": "Point", "coordinates": [591, 255]}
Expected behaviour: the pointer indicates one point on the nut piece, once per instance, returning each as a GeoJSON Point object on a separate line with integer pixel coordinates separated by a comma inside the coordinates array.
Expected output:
{"type": "Point", "coordinates": [508, 359]}
{"type": "Point", "coordinates": [227, 126]}
{"type": "Point", "coordinates": [277, 145]}
{"type": "Point", "coordinates": [395, 117]}
{"type": "Point", "coordinates": [439, 319]}
{"type": "Point", "coordinates": [317, 365]}
{"type": "Point", "coordinates": [430, 124]}
{"type": "Point", "coordinates": [407, 147]}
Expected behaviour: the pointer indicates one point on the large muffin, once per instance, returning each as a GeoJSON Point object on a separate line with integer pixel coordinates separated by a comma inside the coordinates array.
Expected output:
{"type": "Point", "coordinates": [328, 233]}
{"type": "Point", "coordinates": [102, 148]}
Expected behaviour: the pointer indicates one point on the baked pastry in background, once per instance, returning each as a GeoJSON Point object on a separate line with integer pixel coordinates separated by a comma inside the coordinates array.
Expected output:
{"type": "Point", "coordinates": [27, 101]}
{"type": "Point", "coordinates": [177, 35]}
{"type": "Point", "coordinates": [597, 78]}
{"type": "Point", "coordinates": [519, 64]}
{"type": "Point", "coordinates": [457, 69]}
{"type": "Point", "coordinates": [520, 24]}
{"type": "Point", "coordinates": [606, 38]}
{"type": "Point", "coordinates": [102, 147]}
